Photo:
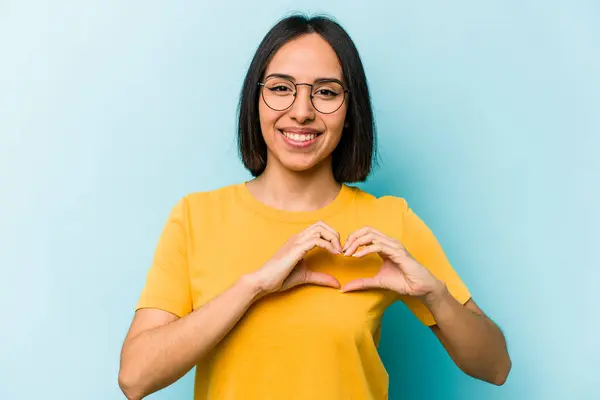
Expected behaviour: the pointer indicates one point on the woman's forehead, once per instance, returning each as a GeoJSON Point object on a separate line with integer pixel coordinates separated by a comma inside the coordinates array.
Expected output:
{"type": "Point", "coordinates": [306, 58]}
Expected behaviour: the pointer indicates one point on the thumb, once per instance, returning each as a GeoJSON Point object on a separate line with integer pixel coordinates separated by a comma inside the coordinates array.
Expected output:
{"type": "Point", "coordinates": [322, 279]}
{"type": "Point", "coordinates": [361, 284]}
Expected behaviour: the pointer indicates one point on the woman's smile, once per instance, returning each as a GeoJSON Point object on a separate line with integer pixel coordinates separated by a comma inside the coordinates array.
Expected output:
{"type": "Point", "coordinates": [299, 137]}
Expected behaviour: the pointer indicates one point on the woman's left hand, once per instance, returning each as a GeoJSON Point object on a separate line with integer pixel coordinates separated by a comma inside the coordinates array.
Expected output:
{"type": "Point", "coordinates": [400, 272]}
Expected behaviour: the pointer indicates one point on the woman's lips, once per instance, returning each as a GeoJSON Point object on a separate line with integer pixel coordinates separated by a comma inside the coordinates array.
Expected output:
{"type": "Point", "coordinates": [299, 138]}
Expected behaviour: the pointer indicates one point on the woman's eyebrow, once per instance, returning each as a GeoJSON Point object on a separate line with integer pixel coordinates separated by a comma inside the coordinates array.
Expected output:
{"type": "Point", "coordinates": [291, 78]}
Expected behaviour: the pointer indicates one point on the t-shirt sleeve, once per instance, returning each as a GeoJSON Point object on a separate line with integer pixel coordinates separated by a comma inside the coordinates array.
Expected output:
{"type": "Point", "coordinates": [422, 244]}
{"type": "Point", "coordinates": [167, 282]}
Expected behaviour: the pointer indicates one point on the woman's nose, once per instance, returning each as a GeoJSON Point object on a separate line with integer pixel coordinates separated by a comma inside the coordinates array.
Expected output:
{"type": "Point", "coordinates": [302, 109]}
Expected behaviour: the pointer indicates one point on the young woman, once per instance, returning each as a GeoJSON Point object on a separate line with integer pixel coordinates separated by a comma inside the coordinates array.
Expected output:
{"type": "Point", "coordinates": [275, 288]}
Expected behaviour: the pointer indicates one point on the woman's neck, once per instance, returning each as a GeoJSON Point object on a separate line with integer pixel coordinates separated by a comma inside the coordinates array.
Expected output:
{"type": "Point", "coordinates": [289, 190]}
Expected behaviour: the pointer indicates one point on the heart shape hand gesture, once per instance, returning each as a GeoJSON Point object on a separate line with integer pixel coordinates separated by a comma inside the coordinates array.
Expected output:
{"type": "Point", "coordinates": [399, 272]}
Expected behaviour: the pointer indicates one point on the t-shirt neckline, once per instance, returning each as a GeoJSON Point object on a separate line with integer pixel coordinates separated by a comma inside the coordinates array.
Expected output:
{"type": "Point", "coordinates": [343, 198]}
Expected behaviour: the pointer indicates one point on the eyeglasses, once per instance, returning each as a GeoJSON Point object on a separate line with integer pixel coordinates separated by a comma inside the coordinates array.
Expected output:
{"type": "Point", "coordinates": [326, 96]}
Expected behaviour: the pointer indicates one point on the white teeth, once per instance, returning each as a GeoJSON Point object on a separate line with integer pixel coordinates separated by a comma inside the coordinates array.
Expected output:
{"type": "Point", "coordinates": [299, 138]}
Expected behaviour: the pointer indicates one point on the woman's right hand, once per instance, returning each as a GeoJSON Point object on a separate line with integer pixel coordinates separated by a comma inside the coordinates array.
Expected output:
{"type": "Point", "coordinates": [287, 267]}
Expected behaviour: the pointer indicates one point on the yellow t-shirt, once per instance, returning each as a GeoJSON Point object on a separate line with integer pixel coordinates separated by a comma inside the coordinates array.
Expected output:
{"type": "Point", "coordinates": [310, 342]}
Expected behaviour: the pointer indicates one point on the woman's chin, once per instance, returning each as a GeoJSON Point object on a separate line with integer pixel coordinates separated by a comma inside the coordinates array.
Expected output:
{"type": "Point", "coordinates": [299, 165]}
{"type": "Point", "coordinates": [299, 162]}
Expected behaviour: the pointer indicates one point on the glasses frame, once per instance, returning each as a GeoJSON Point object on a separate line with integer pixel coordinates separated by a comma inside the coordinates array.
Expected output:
{"type": "Point", "coordinates": [263, 87]}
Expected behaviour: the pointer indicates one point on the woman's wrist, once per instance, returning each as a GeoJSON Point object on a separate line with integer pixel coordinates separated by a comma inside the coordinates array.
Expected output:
{"type": "Point", "coordinates": [253, 285]}
{"type": "Point", "coordinates": [437, 296]}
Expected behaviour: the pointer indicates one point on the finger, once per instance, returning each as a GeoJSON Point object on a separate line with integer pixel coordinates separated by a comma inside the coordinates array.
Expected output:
{"type": "Point", "coordinates": [369, 238]}
{"type": "Point", "coordinates": [354, 235]}
{"type": "Point", "coordinates": [374, 248]}
{"type": "Point", "coordinates": [358, 240]}
{"type": "Point", "coordinates": [329, 228]}
{"type": "Point", "coordinates": [361, 232]}
{"type": "Point", "coordinates": [325, 233]}
{"type": "Point", "coordinates": [320, 224]}
{"type": "Point", "coordinates": [335, 238]}
{"type": "Point", "coordinates": [313, 242]}
{"type": "Point", "coordinates": [322, 279]}
{"type": "Point", "coordinates": [331, 237]}
{"type": "Point", "coordinates": [361, 284]}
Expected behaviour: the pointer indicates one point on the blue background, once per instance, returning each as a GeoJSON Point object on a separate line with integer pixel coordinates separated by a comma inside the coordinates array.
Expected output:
{"type": "Point", "coordinates": [489, 123]}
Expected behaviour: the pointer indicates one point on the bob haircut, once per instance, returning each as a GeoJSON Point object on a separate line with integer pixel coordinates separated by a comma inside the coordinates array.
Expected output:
{"type": "Point", "coordinates": [354, 155]}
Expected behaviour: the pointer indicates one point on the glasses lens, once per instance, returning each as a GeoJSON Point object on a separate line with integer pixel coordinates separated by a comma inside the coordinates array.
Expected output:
{"type": "Point", "coordinates": [328, 96]}
{"type": "Point", "coordinates": [278, 93]}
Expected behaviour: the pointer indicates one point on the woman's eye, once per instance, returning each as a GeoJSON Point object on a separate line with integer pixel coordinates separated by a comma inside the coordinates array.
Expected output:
{"type": "Point", "coordinates": [326, 93]}
{"type": "Point", "coordinates": [279, 88]}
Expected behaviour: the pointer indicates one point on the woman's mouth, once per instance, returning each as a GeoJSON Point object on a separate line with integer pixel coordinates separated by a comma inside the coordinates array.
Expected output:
{"type": "Point", "coordinates": [300, 139]}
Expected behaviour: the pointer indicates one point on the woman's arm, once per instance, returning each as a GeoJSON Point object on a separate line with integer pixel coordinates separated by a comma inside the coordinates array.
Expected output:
{"type": "Point", "coordinates": [472, 340]}
{"type": "Point", "coordinates": [160, 347]}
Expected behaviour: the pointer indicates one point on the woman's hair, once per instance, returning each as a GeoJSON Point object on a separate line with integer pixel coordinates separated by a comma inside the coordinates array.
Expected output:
{"type": "Point", "coordinates": [354, 156]}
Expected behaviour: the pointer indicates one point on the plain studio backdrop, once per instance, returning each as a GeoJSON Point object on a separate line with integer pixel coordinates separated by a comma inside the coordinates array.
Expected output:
{"type": "Point", "coordinates": [489, 122]}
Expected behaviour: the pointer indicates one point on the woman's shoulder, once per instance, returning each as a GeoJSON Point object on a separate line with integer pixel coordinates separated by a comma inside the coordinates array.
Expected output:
{"type": "Point", "coordinates": [215, 194]}
{"type": "Point", "coordinates": [383, 202]}
{"type": "Point", "coordinates": [385, 212]}
{"type": "Point", "coordinates": [211, 200]}
{"type": "Point", "coordinates": [210, 204]}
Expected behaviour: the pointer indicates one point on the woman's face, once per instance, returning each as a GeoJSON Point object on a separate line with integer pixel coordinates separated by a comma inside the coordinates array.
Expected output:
{"type": "Point", "coordinates": [300, 137]}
